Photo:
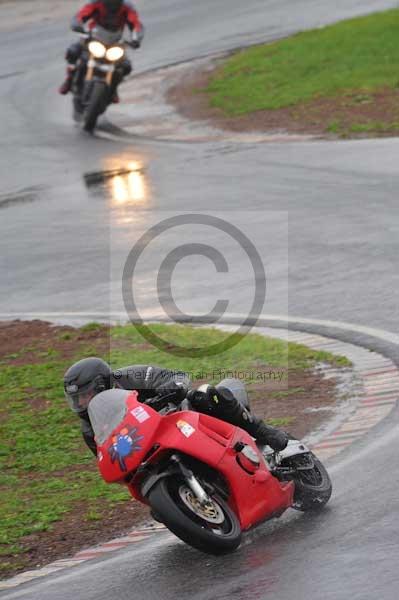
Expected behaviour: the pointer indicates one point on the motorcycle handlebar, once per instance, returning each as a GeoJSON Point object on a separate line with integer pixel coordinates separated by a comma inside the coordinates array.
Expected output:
{"type": "Point", "coordinates": [87, 34]}
{"type": "Point", "coordinates": [79, 29]}
{"type": "Point", "coordinates": [158, 402]}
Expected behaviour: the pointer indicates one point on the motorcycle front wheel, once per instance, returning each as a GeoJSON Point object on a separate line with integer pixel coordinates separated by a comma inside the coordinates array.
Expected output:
{"type": "Point", "coordinates": [213, 529]}
{"type": "Point", "coordinates": [77, 109]}
{"type": "Point", "coordinates": [95, 105]}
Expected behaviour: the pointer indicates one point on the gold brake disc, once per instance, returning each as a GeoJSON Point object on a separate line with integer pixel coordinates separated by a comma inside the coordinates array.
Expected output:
{"type": "Point", "coordinates": [211, 511]}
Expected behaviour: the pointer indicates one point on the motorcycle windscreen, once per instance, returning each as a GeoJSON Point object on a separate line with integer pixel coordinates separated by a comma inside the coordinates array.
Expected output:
{"type": "Point", "coordinates": [106, 410]}
{"type": "Point", "coordinates": [124, 429]}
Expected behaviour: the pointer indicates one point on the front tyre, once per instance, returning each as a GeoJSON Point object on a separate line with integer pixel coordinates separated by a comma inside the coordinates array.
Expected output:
{"type": "Point", "coordinates": [313, 487]}
{"type": "Point", "coordinates": [95, 105]}
{"type": "Point", "coordinates": [77, 109]}
{"type": "Point", "coordinates": [213, 529]}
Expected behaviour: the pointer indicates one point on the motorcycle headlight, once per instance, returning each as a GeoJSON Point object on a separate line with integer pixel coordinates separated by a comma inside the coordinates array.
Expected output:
{"type": "Point", "coordinates": [115, 53]}
{"type": "Point", "coordinates": [97, 49]}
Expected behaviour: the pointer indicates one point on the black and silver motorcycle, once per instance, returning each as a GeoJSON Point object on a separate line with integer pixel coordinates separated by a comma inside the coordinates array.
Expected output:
{"type": "Point", "coordinates": [97, 74]}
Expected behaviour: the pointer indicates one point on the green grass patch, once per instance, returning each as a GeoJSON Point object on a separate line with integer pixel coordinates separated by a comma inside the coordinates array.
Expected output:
{"type": "Point", "coordinates": [361, 55]}
{"type": "Point", "coordinates": [45, 468]}
{"type": "Point", "coordinates": [374, 127]}
{"type": "Point", "coordinates": [282, 422]}
{"type": "Point", "coordinates": [289, 392]}
{"type": "Point", "coordinates": [368, 127]}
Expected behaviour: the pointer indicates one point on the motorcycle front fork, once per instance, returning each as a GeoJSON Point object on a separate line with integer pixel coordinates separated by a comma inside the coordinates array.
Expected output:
{"type": "Point", "coordinates": [192, 481]}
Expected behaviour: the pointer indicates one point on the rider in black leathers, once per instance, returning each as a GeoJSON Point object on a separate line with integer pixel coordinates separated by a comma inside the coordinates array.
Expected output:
{"type": "Point", "coordinates": [86, 378]}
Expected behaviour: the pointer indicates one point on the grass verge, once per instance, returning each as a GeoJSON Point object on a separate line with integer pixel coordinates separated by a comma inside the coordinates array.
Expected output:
{"type": "Point", "coordinates": [356, 60]}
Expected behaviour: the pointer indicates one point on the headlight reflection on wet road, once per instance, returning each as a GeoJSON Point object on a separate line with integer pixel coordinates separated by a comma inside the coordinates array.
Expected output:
{"type": "Point", "coordinates": [124, 185]}
{"type": "Point", "coordinates": [128, 188]}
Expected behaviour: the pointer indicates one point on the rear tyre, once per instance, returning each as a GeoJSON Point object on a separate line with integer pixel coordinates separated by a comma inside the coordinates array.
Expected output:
{"type": "Point", "coordinates": [95, 106]}
{"type": "Point", "coordinates": [214, 529]}
{"type": "Point", "coordinates": [313, 488]}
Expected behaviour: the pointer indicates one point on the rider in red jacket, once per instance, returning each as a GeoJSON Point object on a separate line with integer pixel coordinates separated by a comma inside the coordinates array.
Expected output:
{"type": "Point", "coordinates": [113, 15]}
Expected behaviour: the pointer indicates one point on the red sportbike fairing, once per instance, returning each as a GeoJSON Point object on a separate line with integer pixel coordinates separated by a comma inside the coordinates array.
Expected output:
{"type": "Point", "coordinates": [205, 479]}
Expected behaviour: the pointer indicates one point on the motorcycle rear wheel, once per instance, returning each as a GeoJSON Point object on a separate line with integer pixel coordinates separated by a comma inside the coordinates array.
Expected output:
{"type": "Point", "coordinates": [313, 488]}
{"type": "Point", "coordinates": [215, 531]}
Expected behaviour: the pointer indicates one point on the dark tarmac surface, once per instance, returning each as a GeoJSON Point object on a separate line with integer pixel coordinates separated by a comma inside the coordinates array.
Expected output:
{"type": "Point", "coordinates": [337, 201]}
{"type": "Point", "coordinates": [324, 218]}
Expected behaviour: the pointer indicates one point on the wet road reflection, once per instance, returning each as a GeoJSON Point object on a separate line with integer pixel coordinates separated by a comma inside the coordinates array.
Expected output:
{"type": "Point", "coordinates": [125, 188]}
{"type": "Point", "coordinates": [128, 188]}
{"type": "Point", "coordinates": [26, 195]}
{"type": "Point", "coordinates": [124, 185]}
{"type": "Point", "coordinates": [109, 204]}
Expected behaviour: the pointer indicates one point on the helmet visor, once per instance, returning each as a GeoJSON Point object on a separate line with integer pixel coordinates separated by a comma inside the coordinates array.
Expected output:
{"type": "Point", "coordinates": [79, 398]}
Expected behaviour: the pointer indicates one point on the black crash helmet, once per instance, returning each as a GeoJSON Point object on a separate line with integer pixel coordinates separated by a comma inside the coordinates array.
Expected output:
{"type": "Point", "coordinates": [83, 380]}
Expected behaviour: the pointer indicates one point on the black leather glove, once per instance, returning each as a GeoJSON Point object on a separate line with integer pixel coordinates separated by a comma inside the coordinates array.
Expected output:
{"type": "Point", "coordinates": [79, 28]}
{"type": "Point", "coordinates": [204, 399]}
{"type": "Point", "coordinates": [176, 391]}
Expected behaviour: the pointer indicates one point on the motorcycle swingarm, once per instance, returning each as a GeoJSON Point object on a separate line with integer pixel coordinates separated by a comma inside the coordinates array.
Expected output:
{"type": "Point", "coordinates": [289, 473]}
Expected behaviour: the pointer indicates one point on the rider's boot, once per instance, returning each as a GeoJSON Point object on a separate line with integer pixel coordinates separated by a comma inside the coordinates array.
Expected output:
{"type": "Point", "coordinates": [67, 84]}
{"type": "Point", "coordinates": [257, 428]}
{"type": "Point", "coordinates": [266, 434]}
{"type": "Point", "coordinates": [221, 403]}
{"type": "Point", "coordinates": [234, 412]}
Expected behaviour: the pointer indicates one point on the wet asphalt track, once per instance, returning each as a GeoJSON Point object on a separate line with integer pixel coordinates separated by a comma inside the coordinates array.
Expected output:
{"type": "Point", "coordinates": [323, 216]}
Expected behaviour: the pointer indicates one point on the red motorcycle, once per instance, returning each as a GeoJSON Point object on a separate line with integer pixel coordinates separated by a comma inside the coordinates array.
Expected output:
{"type": "Point", "coordinates": [205, 479]}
